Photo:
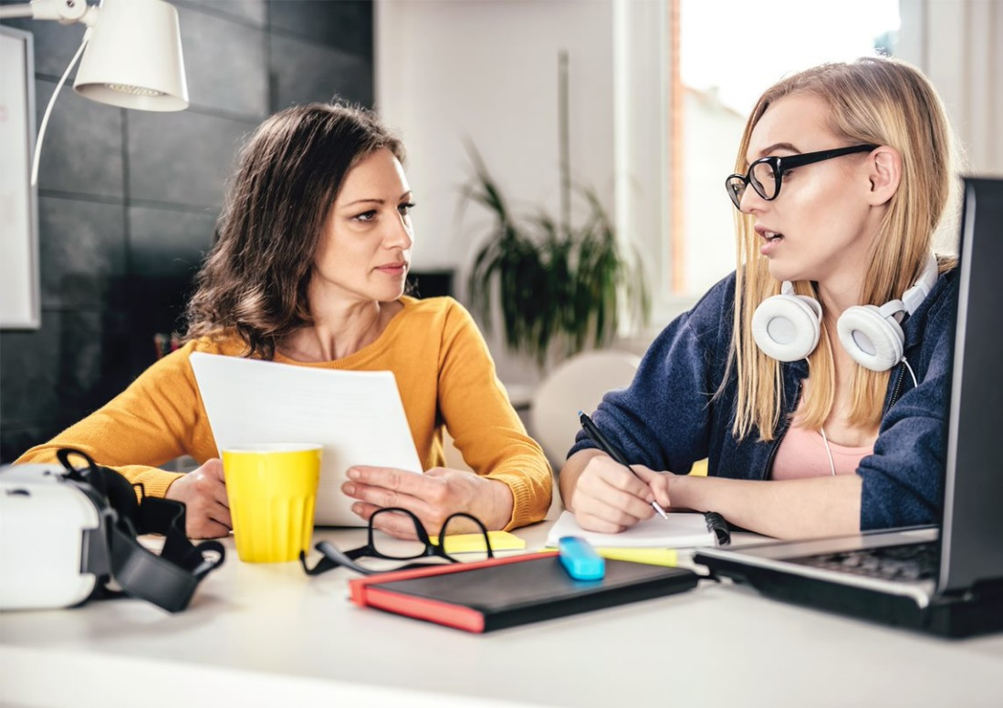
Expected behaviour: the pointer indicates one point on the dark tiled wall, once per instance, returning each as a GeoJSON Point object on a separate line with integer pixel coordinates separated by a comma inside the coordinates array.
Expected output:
{"type": "Point", "coordinates": [128, 199]}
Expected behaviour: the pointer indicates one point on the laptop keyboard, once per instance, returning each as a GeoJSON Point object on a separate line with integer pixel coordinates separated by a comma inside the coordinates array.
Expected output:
{"type": "Point", "coordinates": [911, 562]}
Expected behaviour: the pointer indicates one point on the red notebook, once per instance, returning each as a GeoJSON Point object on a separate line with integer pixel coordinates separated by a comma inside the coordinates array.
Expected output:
{"type": "Point", "coordinates": [505, 592]}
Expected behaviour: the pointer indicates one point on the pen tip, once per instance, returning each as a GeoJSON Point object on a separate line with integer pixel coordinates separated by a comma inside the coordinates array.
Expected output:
{"type": "Point", "coordinates": [580, 414]}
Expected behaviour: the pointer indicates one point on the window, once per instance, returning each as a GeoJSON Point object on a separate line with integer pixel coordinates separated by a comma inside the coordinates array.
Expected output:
{"type": "Point", "coordinates": [716, 59]}
{"type": "Point", "coordinates": [729, 54]}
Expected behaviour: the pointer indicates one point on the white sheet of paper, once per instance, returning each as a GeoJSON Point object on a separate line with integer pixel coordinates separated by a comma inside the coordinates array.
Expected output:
{"type": "Point", "coordinates": [680, 530]}
{"type": "Point", "coordinates": [357, 416]}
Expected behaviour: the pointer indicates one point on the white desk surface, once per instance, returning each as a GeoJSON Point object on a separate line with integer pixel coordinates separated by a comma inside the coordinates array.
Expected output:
{"type": "Point", "coordinates": [267, 635]}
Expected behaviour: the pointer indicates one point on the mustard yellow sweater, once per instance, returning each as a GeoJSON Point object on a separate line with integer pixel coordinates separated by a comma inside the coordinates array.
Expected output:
{"type": "Point", "coordinates": [444, 372]}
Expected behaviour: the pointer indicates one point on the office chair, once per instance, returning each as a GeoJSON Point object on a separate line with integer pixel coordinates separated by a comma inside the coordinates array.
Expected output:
{"type": "Point", "coordinates": [577, 384]}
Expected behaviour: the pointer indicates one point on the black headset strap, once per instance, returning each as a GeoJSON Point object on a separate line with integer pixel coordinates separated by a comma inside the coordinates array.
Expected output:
{"type": "Point", "coordinates": [159, 579]}
{"type": "Point", "coordinates": [167, 580]}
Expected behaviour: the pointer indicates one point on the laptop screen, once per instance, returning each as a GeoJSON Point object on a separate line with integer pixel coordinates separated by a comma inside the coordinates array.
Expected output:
{"type": "Point", "coordinates": [972, 536]}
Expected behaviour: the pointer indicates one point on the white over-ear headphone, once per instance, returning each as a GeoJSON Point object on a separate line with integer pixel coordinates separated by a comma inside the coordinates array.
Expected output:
{"type": "Point", "coordinates": [787, 326]}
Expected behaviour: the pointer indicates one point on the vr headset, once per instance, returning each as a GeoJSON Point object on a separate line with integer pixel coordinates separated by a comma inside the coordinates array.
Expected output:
{"type": "Point", "coordinates": [68, 535]}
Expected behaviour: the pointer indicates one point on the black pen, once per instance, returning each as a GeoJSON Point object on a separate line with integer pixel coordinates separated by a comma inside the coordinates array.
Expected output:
{"type": "Point", "coordinates": [597, 437]}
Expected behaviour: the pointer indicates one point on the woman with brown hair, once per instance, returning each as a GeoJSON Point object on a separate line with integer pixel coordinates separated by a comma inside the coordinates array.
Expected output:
{"type": "Point", "coordinates": [821, 365]}
{"type": "Point", "coordinates": [309, 269]}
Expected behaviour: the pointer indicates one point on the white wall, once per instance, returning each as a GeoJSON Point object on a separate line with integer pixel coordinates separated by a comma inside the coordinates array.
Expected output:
{"type": "Point", "coordinates": [486, 71]}
{"type": "Point", "coordinates": [449, 71]}
{"type": "Point", "coordinates": [713, 132]}
{"type": "Point", "coordinates": [958, 44]}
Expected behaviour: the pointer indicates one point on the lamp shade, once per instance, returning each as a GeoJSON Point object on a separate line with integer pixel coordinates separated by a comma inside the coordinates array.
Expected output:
{"type": "Point", "coordinates": [133, 58]}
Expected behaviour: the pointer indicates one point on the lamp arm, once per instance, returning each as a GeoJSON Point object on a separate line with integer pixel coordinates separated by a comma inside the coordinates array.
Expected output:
{"type": "Point", "coordinates": [52, 102]}
{"type": "Point", "coordinates": [66, 12]}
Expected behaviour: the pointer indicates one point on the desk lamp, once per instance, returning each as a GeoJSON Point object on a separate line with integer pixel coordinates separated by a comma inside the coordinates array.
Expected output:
{"type": "Point", "coordinates": [131, 54]}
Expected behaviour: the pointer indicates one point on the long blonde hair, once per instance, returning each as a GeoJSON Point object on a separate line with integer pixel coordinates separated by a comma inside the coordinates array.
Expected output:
{"type": "Point", "coordinates": [874, 101]}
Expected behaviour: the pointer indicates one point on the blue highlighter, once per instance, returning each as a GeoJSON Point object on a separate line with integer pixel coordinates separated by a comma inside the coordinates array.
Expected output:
{"type": "Point", "coordinates": [580, 559]}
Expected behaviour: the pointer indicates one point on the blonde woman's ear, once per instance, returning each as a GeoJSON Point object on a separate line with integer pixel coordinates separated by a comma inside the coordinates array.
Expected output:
{"type": "Point", "coordinates": [885, 174]}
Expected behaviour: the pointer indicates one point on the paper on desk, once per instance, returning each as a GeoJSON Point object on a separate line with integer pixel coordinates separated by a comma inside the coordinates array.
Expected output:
{"type": "Point", "coordinates": [680, 530]}
{"type": "Point", "coordinates": [356, 415]}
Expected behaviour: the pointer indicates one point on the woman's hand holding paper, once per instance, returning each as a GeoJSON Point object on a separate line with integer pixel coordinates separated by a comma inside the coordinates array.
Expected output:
{"type": "Point", "coordinates": [432, 497]}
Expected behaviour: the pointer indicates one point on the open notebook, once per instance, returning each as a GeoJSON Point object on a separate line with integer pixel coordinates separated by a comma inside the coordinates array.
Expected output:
{"type": "Point", "coordinates": [680, 530]}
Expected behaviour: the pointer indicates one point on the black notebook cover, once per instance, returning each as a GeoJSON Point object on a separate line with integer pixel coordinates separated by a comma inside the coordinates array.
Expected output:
{"type": "Point", "coordinates": [505, 592]}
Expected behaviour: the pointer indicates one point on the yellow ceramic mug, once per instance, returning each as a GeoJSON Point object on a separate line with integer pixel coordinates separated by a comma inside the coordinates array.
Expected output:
{"type": "Point", "coordinates": [272, 488]}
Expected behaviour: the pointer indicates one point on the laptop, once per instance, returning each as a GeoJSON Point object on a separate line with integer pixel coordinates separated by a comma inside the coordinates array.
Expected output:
{"type": "Point", "coordinates": [947, 580]}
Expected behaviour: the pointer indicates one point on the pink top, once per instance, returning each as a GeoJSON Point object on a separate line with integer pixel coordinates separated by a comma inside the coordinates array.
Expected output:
{"type": "Point", "coordinates": [802, 454]}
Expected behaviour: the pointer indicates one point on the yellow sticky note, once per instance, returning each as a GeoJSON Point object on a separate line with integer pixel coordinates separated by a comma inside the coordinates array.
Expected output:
{"type": "Point", "coordinates": [651, 556]}
{"type": "Point", "coordinates": [473, 542]}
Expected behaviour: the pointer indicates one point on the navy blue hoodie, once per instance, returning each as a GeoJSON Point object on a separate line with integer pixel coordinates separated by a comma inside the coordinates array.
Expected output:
{"type": "Point", "coordinates": [668, 418]}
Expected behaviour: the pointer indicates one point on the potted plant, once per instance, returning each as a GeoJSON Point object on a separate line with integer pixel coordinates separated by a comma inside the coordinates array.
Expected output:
{"type": "Point", "coordinates": [560, 288]}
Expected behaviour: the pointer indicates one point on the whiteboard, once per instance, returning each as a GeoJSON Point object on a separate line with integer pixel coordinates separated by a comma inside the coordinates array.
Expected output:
{"type": "Point", "coordinates": [20, 306]}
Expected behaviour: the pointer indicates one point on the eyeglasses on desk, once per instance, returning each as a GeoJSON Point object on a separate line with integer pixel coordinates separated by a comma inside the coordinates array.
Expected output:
{"type": "Point", "coordinates": [384, 547]}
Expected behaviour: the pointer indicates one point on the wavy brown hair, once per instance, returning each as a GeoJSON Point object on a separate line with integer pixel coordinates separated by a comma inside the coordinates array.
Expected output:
{"type": "Point", "coordinates": [871, 100]}
{"type": "Point", "coordinates": [254, 280]}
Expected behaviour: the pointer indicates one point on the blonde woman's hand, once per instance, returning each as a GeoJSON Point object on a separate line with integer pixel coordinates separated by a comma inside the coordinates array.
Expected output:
{"type": "Point", "coordinates": [203, 492]}
{"type": "Point", "coordinates": [609, 498]}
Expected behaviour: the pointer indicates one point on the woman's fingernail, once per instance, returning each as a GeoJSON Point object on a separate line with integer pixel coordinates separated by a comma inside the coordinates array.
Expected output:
{"type": "Point", "coordinates": [357, 509]}
{"type": "Point", "coordinates": [353, 473]}
{"type": "Point", "coordinates": [348, 488]}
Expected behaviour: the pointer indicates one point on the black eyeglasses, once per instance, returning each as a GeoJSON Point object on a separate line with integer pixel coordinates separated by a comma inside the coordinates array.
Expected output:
{"type": "Point", "coordinates": [767, 174]}
{"type": "Point", "coordinates": [388, 548]}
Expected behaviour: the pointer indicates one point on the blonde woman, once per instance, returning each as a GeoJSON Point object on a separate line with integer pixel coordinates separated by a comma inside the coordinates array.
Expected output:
{"type": "Point", "coordinates": [814, 378]}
